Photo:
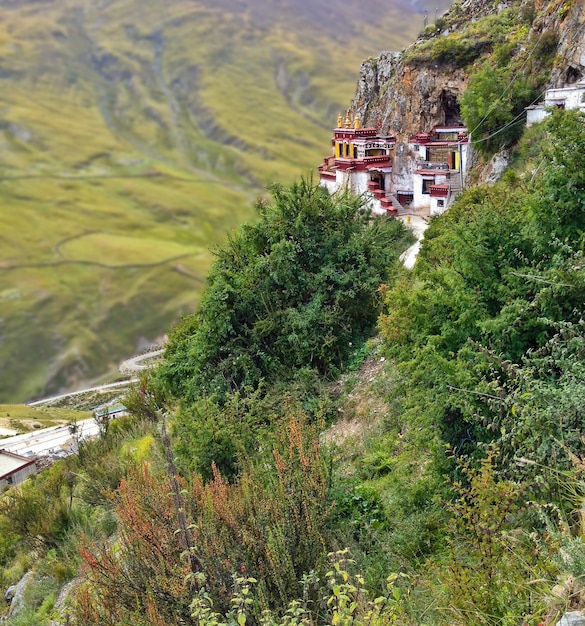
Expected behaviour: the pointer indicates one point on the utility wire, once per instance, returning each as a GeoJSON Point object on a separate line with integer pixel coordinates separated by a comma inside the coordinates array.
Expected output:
{"type": "Point", "coordinates": [513, 122]}
{"type": "Point", "coordinates": [509, 86]}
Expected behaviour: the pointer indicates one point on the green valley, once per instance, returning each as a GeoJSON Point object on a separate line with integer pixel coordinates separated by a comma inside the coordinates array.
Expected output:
{"type": "Point", "coordinates": [333, 438]}
{"type": "Point", "coordinates": [133, 137]}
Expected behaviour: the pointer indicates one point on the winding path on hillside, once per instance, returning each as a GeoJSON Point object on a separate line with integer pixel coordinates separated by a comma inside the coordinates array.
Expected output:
{"type": "Point", "coordinates": [128, 367]}
{"type": "Point", "coordinates": [48, 441]}
{"type": "Point", "coordinates": [417, 224]}
{"type": "Point", "coordinates": [136, 363]}
{"type": "Point", "coordinates": [99, 389]}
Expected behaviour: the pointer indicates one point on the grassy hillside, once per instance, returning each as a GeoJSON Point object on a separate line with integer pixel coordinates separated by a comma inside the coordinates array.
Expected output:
{"type": "Point", "coordinates": [132, 137]}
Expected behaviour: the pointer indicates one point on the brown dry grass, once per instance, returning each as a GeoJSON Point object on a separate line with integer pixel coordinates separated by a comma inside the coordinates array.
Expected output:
{"type": "Point", "coordinates": [361, 411]}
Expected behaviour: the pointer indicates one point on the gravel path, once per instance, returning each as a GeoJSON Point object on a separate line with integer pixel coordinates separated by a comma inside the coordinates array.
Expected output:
{"type": "Point", "coordinates": [418, 224]}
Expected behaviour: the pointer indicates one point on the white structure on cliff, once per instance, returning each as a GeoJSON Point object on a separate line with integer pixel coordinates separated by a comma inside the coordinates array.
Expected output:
{"type": "Point", "coordinates": [570, 97]}
{"type": "Point", "coordinates": [425, 173]}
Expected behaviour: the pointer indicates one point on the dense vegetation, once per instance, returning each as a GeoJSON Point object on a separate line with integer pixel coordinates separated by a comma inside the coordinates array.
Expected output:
{"type": "Point", "coordinates": [494, 310]}
{"type": "Point", "coordinates": [294, 291]}
{"type": "Point", "coordinates": [468, 483]}
{"type": "Point", "coordinates": [284, 467]}
{"type": "Point", "coordinates": [314, 263]}
{"type": "Point", "coordinates": [461, 481]}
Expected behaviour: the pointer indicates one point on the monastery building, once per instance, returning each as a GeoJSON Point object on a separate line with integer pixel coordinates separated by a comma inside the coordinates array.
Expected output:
{"type": "Point", "coordinates": [424, 174]}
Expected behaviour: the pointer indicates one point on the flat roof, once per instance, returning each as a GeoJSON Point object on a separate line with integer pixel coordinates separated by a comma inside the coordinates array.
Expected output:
{"type": "Point", "coordinates": [10, 462]}
{"type": "Point", "coordinates": [574, 87]}
{"type": "Point", "coordinates": [428, 173]}
{"type": "Point", "coordinates": [442, 143]}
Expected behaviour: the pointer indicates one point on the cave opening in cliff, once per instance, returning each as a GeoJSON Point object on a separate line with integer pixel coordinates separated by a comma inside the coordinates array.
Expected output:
{"type": "Point", "coordinates": [572, 75]}
{"type": "Point", "coordinates": [450, 108]}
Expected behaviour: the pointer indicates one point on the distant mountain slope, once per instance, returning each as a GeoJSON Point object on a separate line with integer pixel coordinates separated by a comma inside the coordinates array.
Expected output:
{"type": "Point", "coordinates": [133, 135]}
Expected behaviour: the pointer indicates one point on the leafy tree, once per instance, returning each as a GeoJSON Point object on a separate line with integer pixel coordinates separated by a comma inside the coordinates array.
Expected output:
{"type": "Point", "coordinates": [297, 289]}
{"type": "Point", "coordinates": [207, 434]}
{"type": "Point", "coordinates": [558, 204]}
{"type": "Point", "coordinates": [494, 98]}
{"type": "Point", "coordinates": [537, 410]}
{"type": "Point", "coordinates": [489, 323]}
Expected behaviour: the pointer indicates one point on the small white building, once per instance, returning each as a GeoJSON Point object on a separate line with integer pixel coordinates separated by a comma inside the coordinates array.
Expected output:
{"type": "Point", "coordinates": [571, 97]}
{"type": "Point", "coordinates": [14, 468]}
{"type": "Point", "coordinates": [442, 158]}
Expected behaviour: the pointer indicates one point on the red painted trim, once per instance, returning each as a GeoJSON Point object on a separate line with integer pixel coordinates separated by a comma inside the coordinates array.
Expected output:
{"type": "Point", "coordinates": [17, 469]}
{"type": "Point", "coordinates": [439, 193]}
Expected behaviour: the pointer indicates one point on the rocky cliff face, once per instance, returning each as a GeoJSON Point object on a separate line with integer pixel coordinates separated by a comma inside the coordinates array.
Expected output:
{"type": "Point", "coordinates": [402, 99]}
{"type": "Point", "coordinates": [570, 67]}
{"type": "Point", "coordinates": [409, 92]}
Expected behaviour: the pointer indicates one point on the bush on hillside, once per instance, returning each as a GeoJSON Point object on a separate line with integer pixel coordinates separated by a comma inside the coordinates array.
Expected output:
{"type": "Point", "coordinates": [489, 325]}
{"type": "Point", "coordinates": [296, 290]}
{"type": "Point", "coordinates": [272, 522]}
{"type": "Point", "coordinates": [493, 106]}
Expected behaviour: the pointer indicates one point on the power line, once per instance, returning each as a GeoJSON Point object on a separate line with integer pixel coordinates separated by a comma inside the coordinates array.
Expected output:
{"type": "Point", "coordinates": [513, 122]}
{"type": "Point", "coordinates": [509, 86]}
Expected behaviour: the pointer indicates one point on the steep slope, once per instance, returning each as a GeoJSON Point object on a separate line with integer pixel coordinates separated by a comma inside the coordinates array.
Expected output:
{"type": "Point", "coordinates": [133, 135]}
{"type": "Point", "coordinates": [539, 43]}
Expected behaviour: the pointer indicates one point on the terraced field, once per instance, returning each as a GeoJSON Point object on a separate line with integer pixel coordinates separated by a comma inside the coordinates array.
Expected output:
{"type": "Point", "coordinates": [133, 136]}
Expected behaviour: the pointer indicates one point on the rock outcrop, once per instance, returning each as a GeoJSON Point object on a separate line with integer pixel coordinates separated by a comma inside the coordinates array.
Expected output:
{"type": "Point", "coordinates": [570, 24]}
{"type": "Point", "coordinates": [413, 91]}
{"type": "Point", "coordinates": [572, 618]}
{"type": "Point", "coordinates": [402, 99]}
{"type": "Point", "coordinates": [15, 594]}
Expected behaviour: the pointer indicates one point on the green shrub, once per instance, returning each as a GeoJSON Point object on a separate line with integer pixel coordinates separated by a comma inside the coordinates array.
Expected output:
{"type": "Point", "coordinates": [342, 599]}
{"type": "Point", "coordinates": [298, 289]}
{"type": "Point", "coordinates": [496, 571]}
{"type": "Point", "coordinates": [457, 51]}
{"type": "Point", "coordinates": [492, 103]}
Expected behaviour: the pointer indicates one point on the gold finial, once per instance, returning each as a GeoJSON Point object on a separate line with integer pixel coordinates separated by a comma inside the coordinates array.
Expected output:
{"type": "Point", "coordinates": [357, 123]}
{"type": "Point", "coordinates": [340, 121]}
{"type": "Point", "coordinates": [347, 121]}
